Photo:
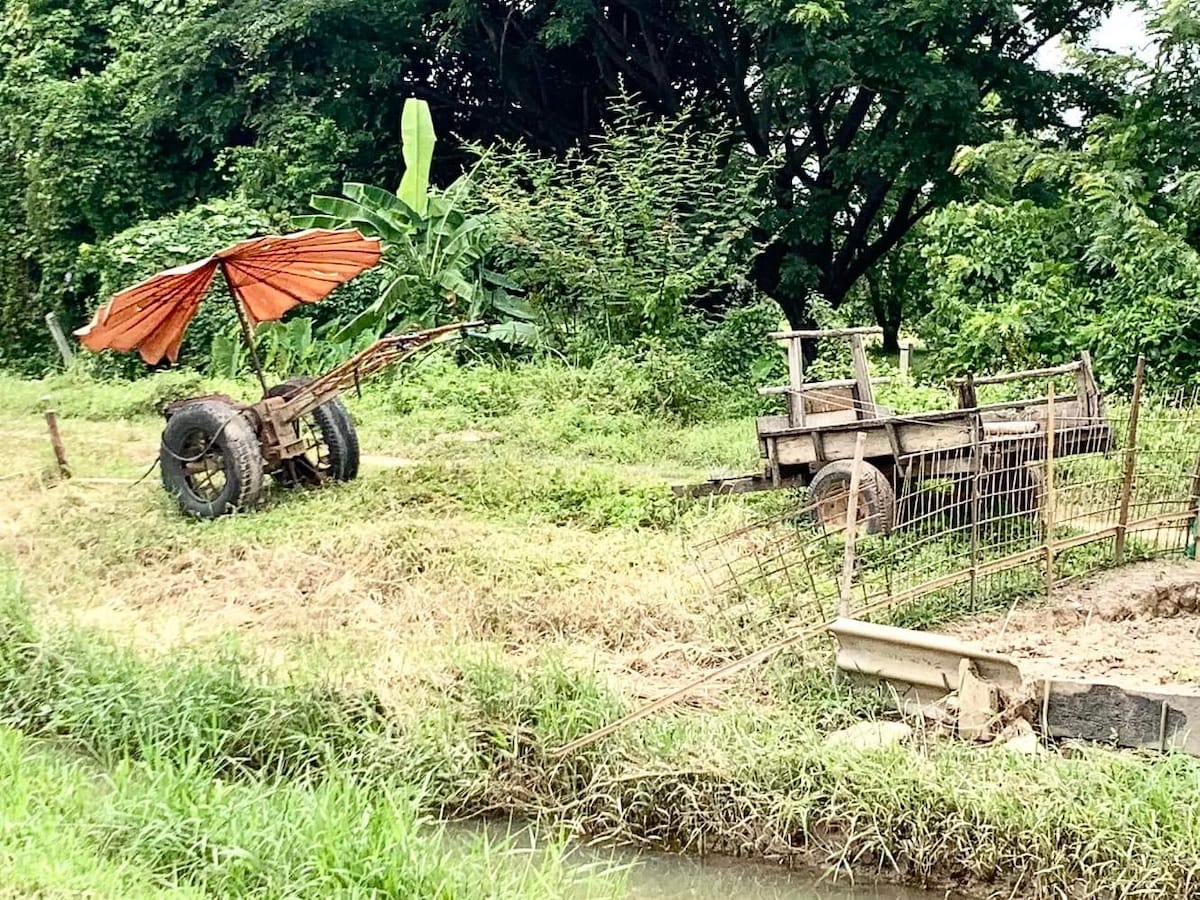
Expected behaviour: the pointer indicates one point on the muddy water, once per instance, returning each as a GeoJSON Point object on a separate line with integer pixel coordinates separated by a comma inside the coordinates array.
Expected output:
{"type": "Point", "coordinates": [666, 876]}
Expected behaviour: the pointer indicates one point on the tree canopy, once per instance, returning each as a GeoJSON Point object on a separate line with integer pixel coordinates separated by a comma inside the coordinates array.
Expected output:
{"type": "Point", "coordinates": [841, 118]}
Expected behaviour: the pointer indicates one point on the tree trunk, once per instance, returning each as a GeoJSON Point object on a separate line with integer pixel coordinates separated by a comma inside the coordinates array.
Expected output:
{"type": "Point", "coordinates": [886, 310]}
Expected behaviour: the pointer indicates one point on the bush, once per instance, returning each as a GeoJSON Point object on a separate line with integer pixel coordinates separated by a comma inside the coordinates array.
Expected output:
{"type": "Point", "coordinates": [625, 239]}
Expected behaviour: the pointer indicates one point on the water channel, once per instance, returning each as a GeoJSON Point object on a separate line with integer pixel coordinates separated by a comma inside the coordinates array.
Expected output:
{"type": "Point", "coordinates": [667, 876]}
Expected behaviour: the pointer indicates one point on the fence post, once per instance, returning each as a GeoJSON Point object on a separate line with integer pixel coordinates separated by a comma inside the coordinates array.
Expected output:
{"type": "Point", "coordinates": [60, 452]}
{"type": "Point", "coordinates": [1130, 462]}
{"type": "Point", "coordinates": [795, 399]}
{"type": "Point", "coordinates": [1051, 494]}
{"type": "Point", "coordinates": [851, 527]}
{"type": "Point", "coordinates": [976, 469]}
{"type": "Point", "coordinates": [60, 339]}
{"type": "Point", "coordinates": [905, 357]}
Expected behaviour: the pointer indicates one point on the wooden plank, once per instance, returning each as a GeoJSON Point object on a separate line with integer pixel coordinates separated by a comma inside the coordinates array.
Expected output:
{"type": "Point", "coordinates": [862, 377]}
{"type": "Point", "coordinates": [967, 399]}
{"type": "Point", "coordinates": [741, 484]}
{"type": "Point", "coordinates": [818, 385]}
{"type": "Point", "coordinates": [1028, 373]}
{"type": "Point", "coordinates": [1085, 385]}
{"type": "Point", "coordinates": [1123, 716]}
{"type": "Point", "coordinates": [795, 400]}
{"type": "Point", "coordinates": [803, 449]}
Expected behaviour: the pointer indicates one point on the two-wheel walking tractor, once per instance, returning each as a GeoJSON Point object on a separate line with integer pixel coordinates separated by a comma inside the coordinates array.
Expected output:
{"type": "Point", "coordinates": [216, 452]}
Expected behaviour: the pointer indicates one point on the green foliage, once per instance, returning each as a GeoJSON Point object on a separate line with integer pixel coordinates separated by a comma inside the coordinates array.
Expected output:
{"type": "Point", "coordinates": [621, 239]}
{"type": "Point", "coordinates": [1093, 247]}
{"type": "Point", "coordinates": [433, 250]}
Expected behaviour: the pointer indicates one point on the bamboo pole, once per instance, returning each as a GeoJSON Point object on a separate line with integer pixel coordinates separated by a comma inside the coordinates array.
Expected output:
{"type": "Point", "coordinates": [60, 452]}
{"type": "Point", "coordinates": [1127, 475]}
{"type": "Point", "coordinates": [247, 333]}
{"type": "Point", "coordinates": [1051, 497]}
{"type": "Point", "coordinates": [976, 468]}
{"type": "Point", "coordinates": [847, 579]}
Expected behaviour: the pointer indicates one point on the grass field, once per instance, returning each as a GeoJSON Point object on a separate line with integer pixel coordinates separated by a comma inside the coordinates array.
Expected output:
{"type": "Point", "coordinates": [222, 701]}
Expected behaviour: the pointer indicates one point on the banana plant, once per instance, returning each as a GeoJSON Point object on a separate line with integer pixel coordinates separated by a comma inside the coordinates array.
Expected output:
{"type": "Point", "coordinates": [435, 251]}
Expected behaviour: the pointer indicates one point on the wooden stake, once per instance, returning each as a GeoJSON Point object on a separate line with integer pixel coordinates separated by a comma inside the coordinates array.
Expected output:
{"type": "Point", "coordinates": [905, 357]}
{"type": "Point", "coordinates": [1050, 491]}
{"type": "Point", "coordinates": [60, 339]}
{"type": "Point", "coordinates": [60, 452]}
{"type": "Point", "coordinates": [847, 580]}
{"type": "Point", "coordinates": [1139, 378]}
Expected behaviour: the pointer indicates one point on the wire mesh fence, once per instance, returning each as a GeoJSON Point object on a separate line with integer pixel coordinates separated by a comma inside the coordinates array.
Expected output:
{"type": "Point", "coordinates": [1007, 513]}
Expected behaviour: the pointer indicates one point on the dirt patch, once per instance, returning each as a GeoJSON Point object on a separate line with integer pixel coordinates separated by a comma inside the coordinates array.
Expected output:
{"type": "Point", "coordinates": [1137, 625]}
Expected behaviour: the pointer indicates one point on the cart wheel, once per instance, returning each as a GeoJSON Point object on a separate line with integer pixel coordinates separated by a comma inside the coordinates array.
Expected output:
{"type": "Point", "coordinates": [331, 442]}
{"type": "Point", "coordinates": [1014, 492]}
{"type": "Point", "coordinates": [830, 494]}
{"type": "Point", "coordinates": [211, 459]}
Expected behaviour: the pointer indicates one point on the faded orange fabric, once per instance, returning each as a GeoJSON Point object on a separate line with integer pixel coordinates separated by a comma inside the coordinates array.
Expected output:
{"type": "Point", "coordinates": [268, 275]}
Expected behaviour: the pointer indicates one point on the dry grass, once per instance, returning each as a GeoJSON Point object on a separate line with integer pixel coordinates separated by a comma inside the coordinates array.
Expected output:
{"type": "Point", "coordinates": [464, 531]}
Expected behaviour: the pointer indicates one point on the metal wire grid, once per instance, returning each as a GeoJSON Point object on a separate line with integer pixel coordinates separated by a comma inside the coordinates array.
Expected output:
{"type": "Point", "coordinates": [1006, 518]}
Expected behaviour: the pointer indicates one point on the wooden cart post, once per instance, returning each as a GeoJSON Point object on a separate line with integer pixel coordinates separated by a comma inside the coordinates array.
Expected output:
{"type": "Point", "coordinates": [795, 396]}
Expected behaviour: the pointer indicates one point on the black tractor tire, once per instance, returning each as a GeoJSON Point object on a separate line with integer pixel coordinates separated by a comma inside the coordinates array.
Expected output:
{"type": "Point", "coordinates": [211, 459]}
{"type": "Point", "coordinates": [830, 489]}
{"type": "Point", "coordinates": [331, 424]}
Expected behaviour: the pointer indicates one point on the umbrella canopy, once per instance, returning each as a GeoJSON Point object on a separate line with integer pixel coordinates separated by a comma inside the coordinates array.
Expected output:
{"type": "Point", "coordinates": [267, 276]}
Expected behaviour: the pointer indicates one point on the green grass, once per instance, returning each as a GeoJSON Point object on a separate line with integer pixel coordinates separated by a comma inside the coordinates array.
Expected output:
{"type": "Point", "coordinates": [476, 599]}
{"type": "Point", "coordinates": [170, 801]}
{"type": "Point", "coordinates": [158, 829]}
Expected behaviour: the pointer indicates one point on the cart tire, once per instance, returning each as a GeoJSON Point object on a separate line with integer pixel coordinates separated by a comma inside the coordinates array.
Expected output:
{"type": "Point", "coordinates": [1016, 492]}
{"type": "Point", "coordinates": [830, 488]}
{"type": "Point", "coordinates": [211, 460]}
{"type": "Point", "coordinates": [331, 423]}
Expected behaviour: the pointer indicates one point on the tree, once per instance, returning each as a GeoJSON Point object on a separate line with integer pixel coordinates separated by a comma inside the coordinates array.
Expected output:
{"type": "Point", "coordinates": [1092, 247]}
{"type": "Point", "coordinates": [862, 102]}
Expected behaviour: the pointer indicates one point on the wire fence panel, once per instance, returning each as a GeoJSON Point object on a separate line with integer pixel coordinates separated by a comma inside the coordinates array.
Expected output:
{"type": "Point", "coordinates": [1003, 516]}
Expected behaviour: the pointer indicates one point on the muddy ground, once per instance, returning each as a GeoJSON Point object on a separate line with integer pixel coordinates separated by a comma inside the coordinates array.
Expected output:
{"type": "Point", "coordinates": [1137, 625]}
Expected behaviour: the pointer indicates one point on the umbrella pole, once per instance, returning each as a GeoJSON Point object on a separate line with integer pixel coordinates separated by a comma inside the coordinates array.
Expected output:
{"type": "Point", "coordinates": [247, 335]}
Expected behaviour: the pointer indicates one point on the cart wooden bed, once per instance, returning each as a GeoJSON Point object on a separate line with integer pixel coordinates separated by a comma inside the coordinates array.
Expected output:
{"type": "Point", "coordinates": [813, 442]}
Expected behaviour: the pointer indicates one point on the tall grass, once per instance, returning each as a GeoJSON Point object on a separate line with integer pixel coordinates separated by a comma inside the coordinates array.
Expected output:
{"type": "Point", "coordinates": [329, 800]}
{"type": "Point", "coordinates": [147, 828]}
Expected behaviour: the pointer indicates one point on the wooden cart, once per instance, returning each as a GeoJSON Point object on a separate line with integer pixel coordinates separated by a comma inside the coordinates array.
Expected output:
{"type": "Point", "coordinates": [813, 443]}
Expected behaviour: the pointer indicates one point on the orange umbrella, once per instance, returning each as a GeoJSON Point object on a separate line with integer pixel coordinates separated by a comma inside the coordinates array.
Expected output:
{"type": "Point", "coordinates": [267, 276]}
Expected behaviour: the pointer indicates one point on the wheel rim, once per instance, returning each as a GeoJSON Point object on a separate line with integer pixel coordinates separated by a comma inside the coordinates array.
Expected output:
{"type": "Point", "coordinates": [316, 450]}
{"type": "Point", "coordinates": [203, 464]}
{"type": "Point", "coordinates": [314, 463]}
{"type": "Point", "coordinates": [833, 507]}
